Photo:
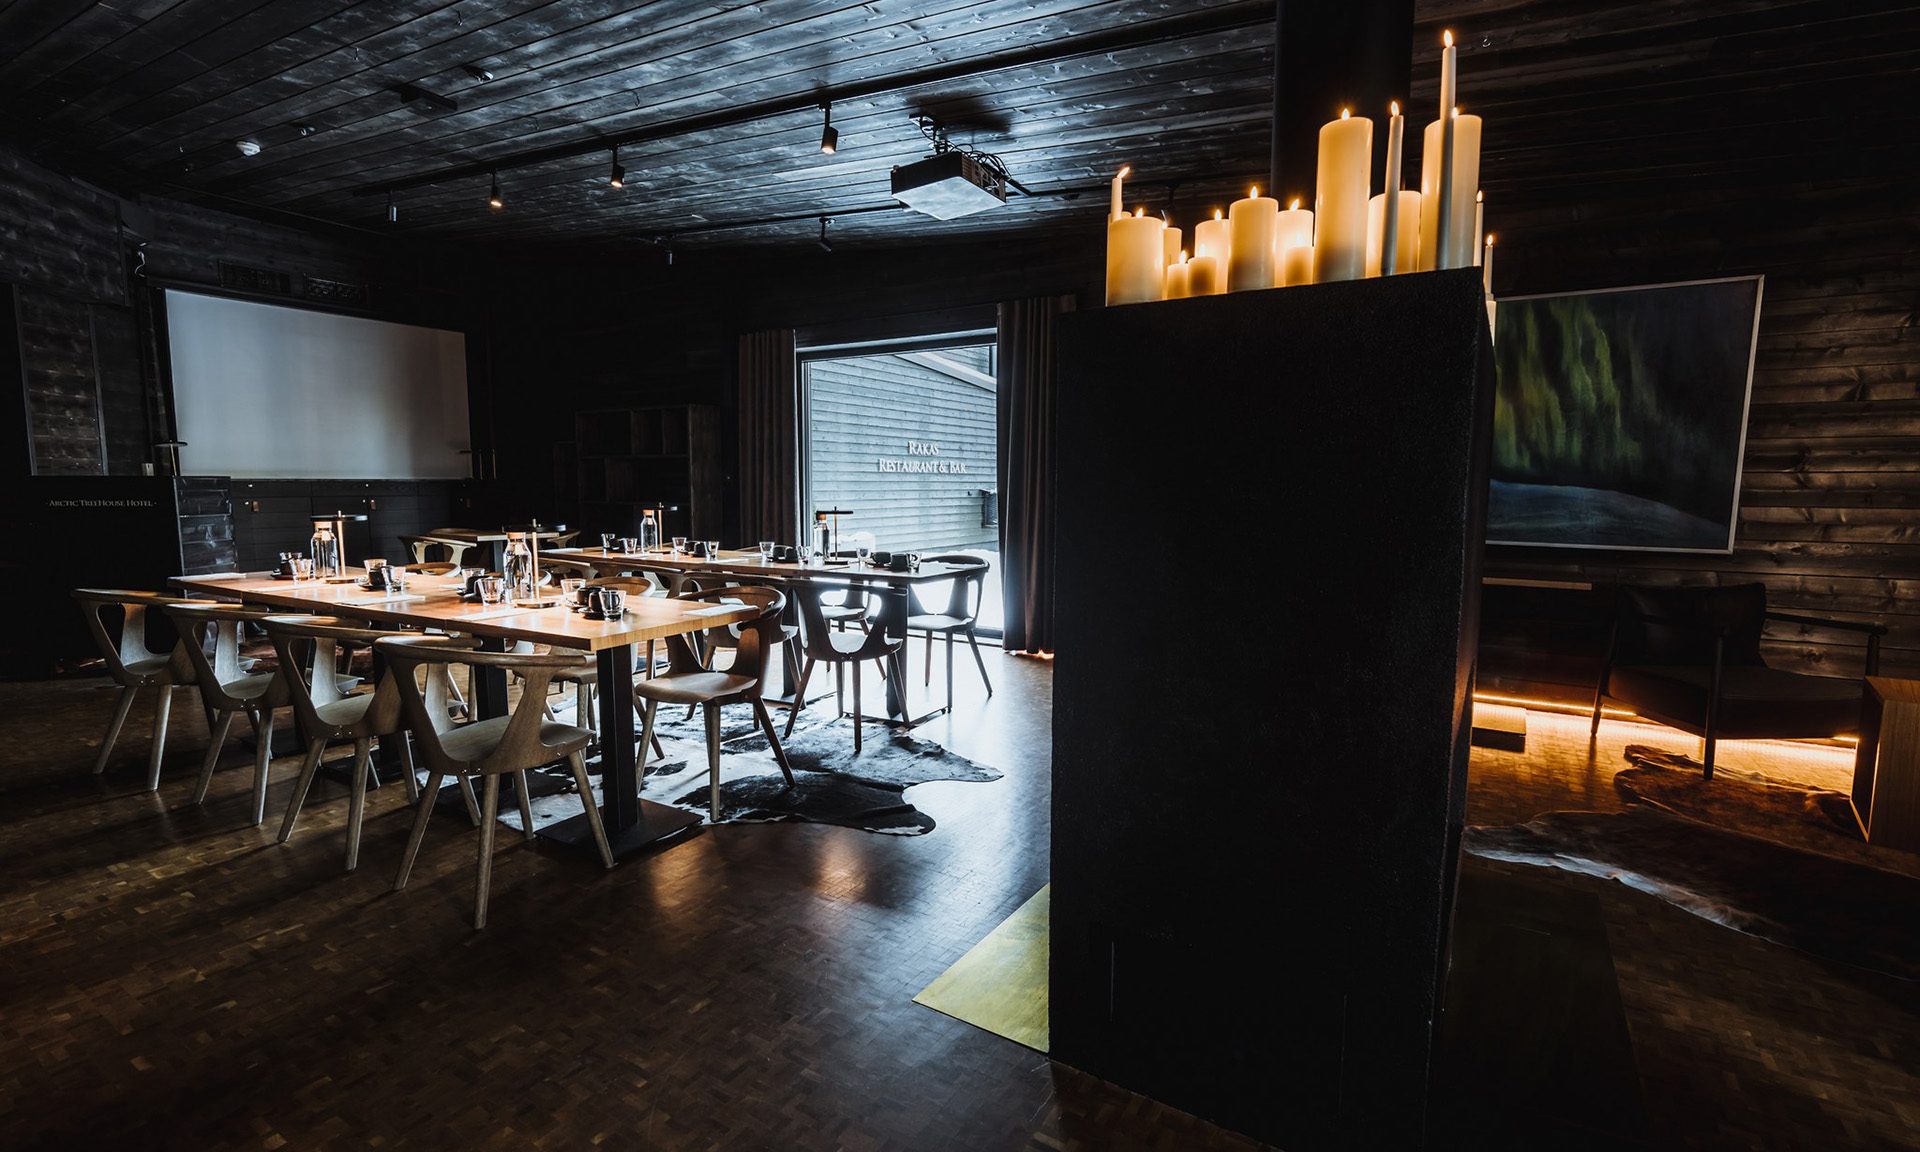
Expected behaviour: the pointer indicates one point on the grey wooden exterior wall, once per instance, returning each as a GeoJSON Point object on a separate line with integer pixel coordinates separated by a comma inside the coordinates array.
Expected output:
{"type": "Point", "coordinates": [904, 445]}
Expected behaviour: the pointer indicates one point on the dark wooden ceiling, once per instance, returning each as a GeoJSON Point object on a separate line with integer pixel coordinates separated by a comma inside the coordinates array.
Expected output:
{"type": "Point", "coordinates": [154, 95]}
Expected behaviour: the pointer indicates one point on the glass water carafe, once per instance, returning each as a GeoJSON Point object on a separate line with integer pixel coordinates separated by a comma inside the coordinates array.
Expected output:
{"type": "Point", "coordinates": [325, 550]}
{"type": "Point", "coordinates": [649, 534]}
{"type": "Point", "coordinates": [517, 566]}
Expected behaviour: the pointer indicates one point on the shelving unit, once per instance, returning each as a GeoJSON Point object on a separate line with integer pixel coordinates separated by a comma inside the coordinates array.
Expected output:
{"type": "Point", "coordinates": [627, 460]}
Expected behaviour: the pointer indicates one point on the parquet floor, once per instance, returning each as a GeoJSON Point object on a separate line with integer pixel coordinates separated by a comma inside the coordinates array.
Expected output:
{"type": "Point", "coordinates": [171, 978]}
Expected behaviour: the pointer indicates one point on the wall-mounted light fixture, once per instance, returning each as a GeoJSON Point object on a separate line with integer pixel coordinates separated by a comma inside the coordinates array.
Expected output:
{"type": "Point", "coordinates": [826, 245]}
{"type": "Point", "coordinates": [618, 177]}
{"type": "Point", "coordinates": [829, 135]}
{"type": "Point", "coordinates": [494, 199]}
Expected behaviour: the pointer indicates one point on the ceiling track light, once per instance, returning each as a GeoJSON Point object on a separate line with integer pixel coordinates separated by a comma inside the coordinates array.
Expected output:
{"type": "Point", "coordinates": [393, 210]}
{"type": "Point", "coordinates": [826, 245]}
{"type": "Point", "coordinates": [618, 177]}
{"type": "Point", "coordinates": [494, 199]}
{"type": "Point", "coordinates": [477, 72]}
{"type": "Point", "coordinates": [829, 135]}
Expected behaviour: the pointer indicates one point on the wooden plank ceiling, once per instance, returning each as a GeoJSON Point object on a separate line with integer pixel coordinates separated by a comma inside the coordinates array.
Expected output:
{"type": "Point", "coordinates": [154, 96]}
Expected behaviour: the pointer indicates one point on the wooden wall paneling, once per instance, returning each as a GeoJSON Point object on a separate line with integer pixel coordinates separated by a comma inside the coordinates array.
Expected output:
{"type": "Point", "coordinates": [123, 386]}
{"type": "Point", "coordinates": [62, 385]}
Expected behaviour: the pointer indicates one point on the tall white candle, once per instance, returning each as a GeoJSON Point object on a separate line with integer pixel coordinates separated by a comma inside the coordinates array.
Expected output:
{"type": "Point", "coordinates": [1136, 271]}
{"type": "Point", "coordinates": [1486, 267]}
{"type": "Point", "coordinates": [1479, 224]}
{"type": "Point", "coordinates": [1250, 247]}
{"type": "Point", "coordinates": [1213, 239]}
{"type": "Point", "coordinates": [1170, 244]}
{"type": "Point", "coordinates": [1449, 85]}
{"type": "Point", "coordinates": [1404, 252]}
{"type": "Point", "coordinates": [1449, 246]}
{"type": "Point", "coordinates": [1114, 210]}
{"type": "Point", "coordinates": [1383, 254]}
{"type": "Point", "coordinates": [1345, 176]}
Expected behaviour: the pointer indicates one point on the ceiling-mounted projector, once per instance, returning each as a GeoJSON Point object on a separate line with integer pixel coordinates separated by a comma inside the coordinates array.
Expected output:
{"type": "Point", "coordinates": [949, 184]}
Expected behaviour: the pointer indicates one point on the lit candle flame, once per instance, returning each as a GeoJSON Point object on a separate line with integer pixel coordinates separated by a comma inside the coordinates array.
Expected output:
{"type": "Point", "coordinates": [1394, 107]}
{"type": "Point", "coordinates": [1345, 113]}
{"type": "Point", "coordinates": [1446, 37]}
{"type": "Point", "coordinates": [1480, 197]}
{"type": "Point", "coordinates": [1456, 111]}
{"type": "Point", "coordinates": [1293, 205]}
{"type": "Point", "coordinates": [1489, 239]}
{"type": "Point", "coordinates": [1216, 213]}
{"type": "Point", "coordinates": [1125, 170]}
{"type": "Point", "coordinates": [1138, 212]}
{"type": "Point", "coordinates": [1183, 251]}
{"type": "Point", "coordinates": [1254, 192]}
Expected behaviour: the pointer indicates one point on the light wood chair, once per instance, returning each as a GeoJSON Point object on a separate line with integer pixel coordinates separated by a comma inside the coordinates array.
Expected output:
{"type": "Point", "coordinates": [489, 749]}
{"type": "Point", "coordinates": [821, 642]}
{"type": "Point", "coordinates": [424, 548]}
{"type": "Point", "coordinates": [688, 680]}
{"type": "Point", "coordinates": [228, 690]}
{"type": "Point", "coordinates": [327, 713]}
{"type": "Point", "coordinates": [133, 665]}
{"type": "Point", "coordinates": [960, 617]}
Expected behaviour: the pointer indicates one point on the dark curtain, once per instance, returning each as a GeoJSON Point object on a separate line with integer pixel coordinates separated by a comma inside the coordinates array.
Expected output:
{"type": "Point", "coordinates": [769, 437]}
{"type": "Point", "coordinates": [1026, 419]}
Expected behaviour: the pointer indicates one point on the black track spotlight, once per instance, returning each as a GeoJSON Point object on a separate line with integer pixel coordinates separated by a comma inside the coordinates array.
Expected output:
{"type": "Point", "coordinates": [478, 72]}
{"type": "Point", "coordinates": [494, 199]}
{"type": "Point", "coordinates": [829, 135]}
{"type": "Point", "coordinates": [618, 177]}
{"type": "Point", "coordinates": [393, 210]}
{"type": "Point", "coordinates": [826, 245]}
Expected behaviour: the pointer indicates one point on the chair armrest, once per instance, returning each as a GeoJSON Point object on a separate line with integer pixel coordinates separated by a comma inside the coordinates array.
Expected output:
{"type": "Point", "coordinates": [1823, 622]}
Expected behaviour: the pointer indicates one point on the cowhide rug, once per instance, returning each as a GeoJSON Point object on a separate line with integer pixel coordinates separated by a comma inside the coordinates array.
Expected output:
{"type": "Point", "coordinates": [1763, 857]}
{"type": "Point", "coordinates": [832, 785]}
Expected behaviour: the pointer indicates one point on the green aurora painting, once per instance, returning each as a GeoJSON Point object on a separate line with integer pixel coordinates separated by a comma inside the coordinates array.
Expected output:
{"type": "Point", "coordinates": [1619, 416]}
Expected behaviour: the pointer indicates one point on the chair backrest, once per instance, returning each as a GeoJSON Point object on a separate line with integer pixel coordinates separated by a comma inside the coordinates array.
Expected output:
{"type": "Point", "coordinates": [421, 668]}
{"type": "Point", "coordinates": [214, 670]}
{"type": "Point", "coordinates": [431, 547]}
{"type": "Point", "coordinates": [1676, 626]}
{"type": "Point", "coordinates": [309, 649]}
{"type": "Point", "coordinates": [816, 636]}
{"type": "Point", "coordinates": [963, 598]}
{"type": "Point", "coordinates": [636, 584]}
{"type": "Point", "coordinates": [752, 638]}
{"type": "Point", "coordinates": [99, 605]}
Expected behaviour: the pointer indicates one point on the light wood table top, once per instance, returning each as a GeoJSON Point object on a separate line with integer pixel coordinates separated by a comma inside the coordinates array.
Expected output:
{"type": "Point", "coordinates": [434, 602]}
{"type": "Point", "coordinates": [748, 563]}
{"type": "Point", "coordinates": [489, 535]}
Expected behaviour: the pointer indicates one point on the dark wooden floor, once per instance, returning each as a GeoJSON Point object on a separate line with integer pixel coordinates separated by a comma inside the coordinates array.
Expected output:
{"type": "Point", "coordinates": [174, 979]}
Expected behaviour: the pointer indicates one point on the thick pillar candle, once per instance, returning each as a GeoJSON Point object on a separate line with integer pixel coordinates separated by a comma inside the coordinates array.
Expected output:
{"type": "Point", "coordinates": [1404, 251]}
{"type": "Point", "coordinates": [1345, 176]}
{"type": "Point", "coordinates": [1384, 254]}
{"type": "Point", "coordinates": [1449, 246]}
{"type": "Point", "coordinates": [1204, 277]}
{"type": "Point", "coordinates": [1293, 229]}
{"type": "Point", "coordinates": [1179, 279]}
{"type": "Point", "coordinates": [1170, 244]}
{"type": "Point", "coordinates": [1296, 266]}
{"type": "Point", "coordinates": [1136, 270]}
{"type": "Point", "coordinates": [1212, 239]}
{"type": "Point", "coordinates": [1250, 248]}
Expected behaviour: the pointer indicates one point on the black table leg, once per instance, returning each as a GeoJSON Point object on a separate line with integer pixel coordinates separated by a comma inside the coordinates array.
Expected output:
{"type": "Point", "coordinates": [631, 823]}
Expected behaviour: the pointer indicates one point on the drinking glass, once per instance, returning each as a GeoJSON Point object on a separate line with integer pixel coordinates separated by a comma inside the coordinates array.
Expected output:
{"type": "Point", "coordinates": [397, 577]}
{"type": "Point", "coordinates": [493, 589]}
{"type": "Point", "coordinates": [570, 588]}
{"type": "Point", "coordinates": [766, 551]}
{"type": "Point", "coordinates": [713, 549]}
{"type": "Point", "coordinates": [679, 545]}
{"type": "Point", "coordinates": [303, 567]}
{"type": "Point", "coordinates": [803, 554]}
{"type": "Point", "coordinates": [606, 541]}
{"type": "Point", "coordinates": [629, 544]}
{"type": "Point", "coordinates": [862, 550]}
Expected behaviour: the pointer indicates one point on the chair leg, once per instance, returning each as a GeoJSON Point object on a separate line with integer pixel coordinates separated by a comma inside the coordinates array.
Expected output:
{"type": "Point", "coordinates": [583, 716]}
{"type": "Point", "coordinates": [161, 709]}
{"type": "Point", "coordinates": [856, 707]}
{"type": "Point", "coordinates": [766, 725]}
{"type": "Point", "coordinates": [1712, 743]}
{"type": "Point", "coordinates": [220, 728]}
{"type": "Point", "coordinates": [949, 671]}
{"type": "Point", "coordinates": [840, 688]}
{"type": "Point", "coordinates": [489, 818]}
{"type": "Point", "coordinates": [599, 830]}
{"type": "Point", "coordinates": [800, 694]}
{"type": "Point", "coordinates": [420, 819]}
{"type": "Point", "coordinates": [473, 804]}
{"type": "Point", "coordinates": [120, 710]}
{"type": "Point", "coordinates": [974, 643]}
{"type": "Point", "coordinates": [526, 804]}
{"type": "Point", "coordinates": [647, 737]}
{"type": "Point", "coordinates": [406, 764]}
{"type": "Point", "coordinates": [713, 761]}
{"type": "Point", "coordinates": [927, 680]}
{"type": "Point", "coordinates": [308, 769]}
{"type": "Point", "coordinates": [262, 758]}
{"type": "Point", "coordinates": [357, 798]}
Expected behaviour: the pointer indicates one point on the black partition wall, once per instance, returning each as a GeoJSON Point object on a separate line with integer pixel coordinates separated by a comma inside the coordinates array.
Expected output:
{"type": "Point", "coordinates": [1270, 517]}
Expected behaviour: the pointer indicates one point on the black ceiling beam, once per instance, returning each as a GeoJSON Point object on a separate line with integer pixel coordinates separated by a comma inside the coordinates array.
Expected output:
{"type": "Point", "coordinates": [1226, 18]}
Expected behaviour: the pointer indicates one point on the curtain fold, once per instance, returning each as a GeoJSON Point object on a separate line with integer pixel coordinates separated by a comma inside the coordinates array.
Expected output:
{"type": "Point", "coordinates": [769, 437]}
{"type": "Point", "coordinates": [1026, 433]}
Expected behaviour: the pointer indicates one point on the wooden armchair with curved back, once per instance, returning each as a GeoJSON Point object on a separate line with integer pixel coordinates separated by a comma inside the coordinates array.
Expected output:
{"type": "Point", "coordinates": [133, 665]}
{"type": "Point", "coordinates": [960, 617]}
{"type": "Point", "coordinates": [488, 749]}
{"type": "Point", "coordinates": [820, 641]}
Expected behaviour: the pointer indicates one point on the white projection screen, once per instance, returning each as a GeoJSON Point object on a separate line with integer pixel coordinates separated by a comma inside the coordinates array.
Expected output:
{"type": "Point", "coordinates": [267, 392]}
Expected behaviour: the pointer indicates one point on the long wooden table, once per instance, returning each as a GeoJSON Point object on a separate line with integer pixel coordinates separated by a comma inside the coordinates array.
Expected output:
{"type": "Point", "coordinates": [893, 588]}
{"type": "Point", "coordinates": [631, 823]}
